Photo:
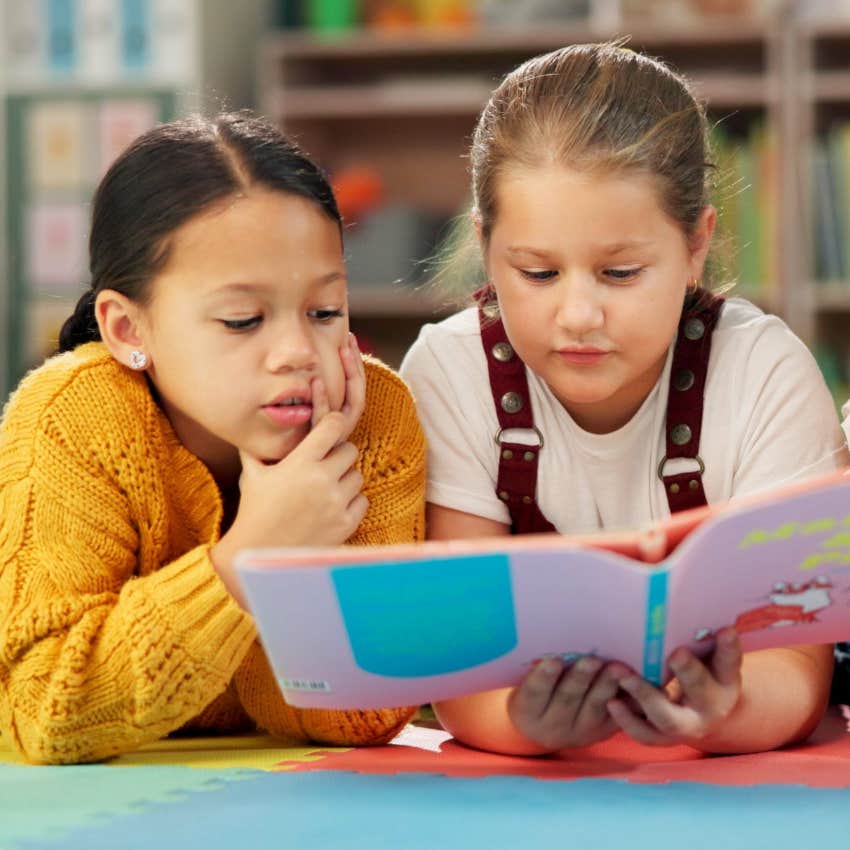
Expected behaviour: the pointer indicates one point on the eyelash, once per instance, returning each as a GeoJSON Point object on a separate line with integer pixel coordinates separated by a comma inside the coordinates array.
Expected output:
{"type": "Point", "coordinates": [323, 317]}
{"type": "Point", "coordinates": [616, 275]}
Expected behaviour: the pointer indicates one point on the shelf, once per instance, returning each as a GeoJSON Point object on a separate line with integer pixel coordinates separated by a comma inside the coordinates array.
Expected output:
{"type": "Point", "coordinates": [492, 40]}
{"type": "Point", "coordinates": [452, 97]}
{"type": "Point", "coordinates": [829, 86]}
{"type": "Point", "coordinates": [832, 297]}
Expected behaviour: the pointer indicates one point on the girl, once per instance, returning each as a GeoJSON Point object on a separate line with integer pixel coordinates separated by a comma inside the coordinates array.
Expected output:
{"type": "Point", "coordinates": [209, 398]}
{"type": "Point", "coordinates": [580, 393]}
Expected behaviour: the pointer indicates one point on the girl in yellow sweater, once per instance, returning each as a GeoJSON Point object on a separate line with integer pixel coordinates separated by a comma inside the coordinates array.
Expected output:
{"type": "Point", "coordinates": [209, 397]}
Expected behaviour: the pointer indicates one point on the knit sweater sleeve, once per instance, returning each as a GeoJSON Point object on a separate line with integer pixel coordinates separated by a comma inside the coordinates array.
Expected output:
{"type": "Point", "coordinates": [96, 656]}
{"type": "Point", "coordinates": [392, 461]}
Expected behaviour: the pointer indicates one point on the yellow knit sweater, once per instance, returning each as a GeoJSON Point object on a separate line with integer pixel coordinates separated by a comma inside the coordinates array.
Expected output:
{"type": "Point", "coordinates": [114, 627]}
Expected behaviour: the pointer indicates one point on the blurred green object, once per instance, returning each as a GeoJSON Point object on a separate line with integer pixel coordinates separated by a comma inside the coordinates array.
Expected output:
{"type": "Point", "coordinates": [331, 15]}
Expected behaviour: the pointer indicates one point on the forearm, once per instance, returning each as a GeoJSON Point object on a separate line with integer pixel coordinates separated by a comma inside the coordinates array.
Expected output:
{"type": "Point", "coordinates": [88, 675]}
{"type": "Point", "coordinates": [784, 695]}
{"type": "Point", "coordinates": [482, 721]}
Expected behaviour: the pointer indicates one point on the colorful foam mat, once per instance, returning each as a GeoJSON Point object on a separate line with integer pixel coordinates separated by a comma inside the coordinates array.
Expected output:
{"type": "Point", "coordinates": [426, 791]}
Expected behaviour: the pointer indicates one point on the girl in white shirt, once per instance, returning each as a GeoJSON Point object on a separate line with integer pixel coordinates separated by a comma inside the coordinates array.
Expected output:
{"type": "Point", "coordinates": [598, 385]}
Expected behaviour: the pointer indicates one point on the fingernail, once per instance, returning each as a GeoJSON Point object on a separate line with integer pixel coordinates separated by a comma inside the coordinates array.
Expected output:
{"type": "Point", "coordinates": [588, 665]}
{"type": "Point", "coordinates": [550, 666]}
{"type": "Point", "coordinates": [629, 683]}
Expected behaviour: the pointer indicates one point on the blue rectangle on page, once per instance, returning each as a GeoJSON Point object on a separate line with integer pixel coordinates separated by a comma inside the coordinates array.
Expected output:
{"type": "Point", "coordinates": [430, 617]}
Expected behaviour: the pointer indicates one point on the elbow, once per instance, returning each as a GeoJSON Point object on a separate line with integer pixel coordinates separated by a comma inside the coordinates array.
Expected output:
{"type": "Point", "coordinates": [355, 728]}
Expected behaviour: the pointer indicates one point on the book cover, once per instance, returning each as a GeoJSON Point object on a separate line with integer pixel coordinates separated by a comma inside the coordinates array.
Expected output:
{"type": "Point", "coordinates": [350, 627]}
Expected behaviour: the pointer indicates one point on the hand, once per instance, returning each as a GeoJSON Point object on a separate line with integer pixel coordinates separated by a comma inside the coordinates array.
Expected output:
{"type": "Point", "coordinates": [696, 702]}
{"type": "Point", "coordinates": [312, 496]}
{"type": "Point", "coordinates": [354, 401]}
{"type": "Point", "coordinates": [557, 708]}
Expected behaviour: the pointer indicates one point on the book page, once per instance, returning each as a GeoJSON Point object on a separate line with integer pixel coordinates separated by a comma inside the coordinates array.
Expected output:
{"type": "Point", "coordinates": [779, 572]}
{"type": "Point", "coordinates": [430, 628]}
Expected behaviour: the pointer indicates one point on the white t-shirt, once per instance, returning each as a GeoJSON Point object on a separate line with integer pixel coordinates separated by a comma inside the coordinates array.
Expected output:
{"type": "Point", "coordinates": [768, 419]}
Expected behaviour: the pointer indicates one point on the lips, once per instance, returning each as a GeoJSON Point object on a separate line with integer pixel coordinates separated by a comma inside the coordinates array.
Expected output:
{"type": "Point", "coordinates": [290, 409]}
{"type": "Point", "coordinates": [583, 356]}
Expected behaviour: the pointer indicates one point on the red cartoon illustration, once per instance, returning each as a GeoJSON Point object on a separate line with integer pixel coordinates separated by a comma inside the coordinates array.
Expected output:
{"type": "Point", "coordinates": [790, 605]}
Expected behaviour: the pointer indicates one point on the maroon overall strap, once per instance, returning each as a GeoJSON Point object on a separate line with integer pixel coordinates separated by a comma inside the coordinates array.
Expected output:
{"type": "Point", "coordinates": [516, 485]}
{"type": "Point", "coordinates": [686, 398]}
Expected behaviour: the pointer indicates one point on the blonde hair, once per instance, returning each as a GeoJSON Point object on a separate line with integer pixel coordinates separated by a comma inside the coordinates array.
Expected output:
{"type": "Point", "coordinates": [591, 107]}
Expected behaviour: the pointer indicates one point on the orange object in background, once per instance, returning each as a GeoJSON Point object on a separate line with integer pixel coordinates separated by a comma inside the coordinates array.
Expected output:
{"type": "Point", "coordinates": [445, 13]}
{"type": "Point", "coordinates": [390, 14]}
{"type": "Point", "coordinates": [400, 14]}
{"type": "Point", "coordinates": [359, 190]}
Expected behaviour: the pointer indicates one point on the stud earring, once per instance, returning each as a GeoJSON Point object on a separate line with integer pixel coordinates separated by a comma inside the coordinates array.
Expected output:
{"type": "Point", "coordinates": [138, 360]}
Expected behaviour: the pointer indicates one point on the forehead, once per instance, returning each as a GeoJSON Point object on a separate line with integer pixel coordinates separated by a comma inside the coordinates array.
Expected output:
{"type": "Point", "coordinates": [254, 237]}
{"type": "Point", "coordinates": [554, 199]}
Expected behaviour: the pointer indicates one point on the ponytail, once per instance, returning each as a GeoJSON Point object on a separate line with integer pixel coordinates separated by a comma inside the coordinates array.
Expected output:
{"type": "Point", "coordinates": [81, 326]}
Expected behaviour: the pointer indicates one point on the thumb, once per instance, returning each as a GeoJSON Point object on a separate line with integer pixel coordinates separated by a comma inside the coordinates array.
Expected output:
{"type": "Point", "coordinates": [726, 660]}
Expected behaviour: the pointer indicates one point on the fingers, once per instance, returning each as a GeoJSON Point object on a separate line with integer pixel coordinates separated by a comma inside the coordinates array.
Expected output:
{"type": "Point", "coordinates": [325, 435]}
{"type": "Point", "coordinates": [530, 699]}
{"type": "Point", "coordinates": [727, 657]}
{"type": "Point", "coordinates": [355, 381]}
{"type": "Point", "coordinates": [634, 726]}
{"type": "Point", "coordinates": [321, 405]}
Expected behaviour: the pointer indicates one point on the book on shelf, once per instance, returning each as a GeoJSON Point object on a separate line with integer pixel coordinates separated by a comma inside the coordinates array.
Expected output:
{"type": "Point", "coordinates": [362, 627]}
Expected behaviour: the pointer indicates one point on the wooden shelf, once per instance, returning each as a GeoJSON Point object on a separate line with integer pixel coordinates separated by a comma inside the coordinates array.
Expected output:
{"type": "Point", "coordinates": [492, 40]}
{"type": "Point", "coordinates": [464, 97]}
{"type": "Point", "coordinates": [832, 297]}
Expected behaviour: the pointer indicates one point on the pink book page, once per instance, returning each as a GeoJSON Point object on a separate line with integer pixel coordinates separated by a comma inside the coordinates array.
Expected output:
{"type": "Point", "coordinates": [406, 632]}
{"type": "Point", "coordinates": [778, 571]}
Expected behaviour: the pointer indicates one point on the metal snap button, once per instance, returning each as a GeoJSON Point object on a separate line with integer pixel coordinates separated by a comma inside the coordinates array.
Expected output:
{"type": "Point", "coordinates": [680, 434]}
{"type": "Point", "coordinates": [512, 402]}
{"type": "Point", "coordinates": [504, 495]}
{"type": "Point", "coordinates": [683, 380]}
{"type": "Point", "coordinates": [694, 329]}
{"type": "Point", "coordinates": [491, 309]}
{"type": "Point", "coordinates": [502, 351]}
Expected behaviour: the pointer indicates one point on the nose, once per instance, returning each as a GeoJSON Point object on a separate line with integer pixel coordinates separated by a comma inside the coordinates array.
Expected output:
{"type": "Point", "coordinates": [579, 308]}
{"type": "Point", "coordinates": [291, 349]}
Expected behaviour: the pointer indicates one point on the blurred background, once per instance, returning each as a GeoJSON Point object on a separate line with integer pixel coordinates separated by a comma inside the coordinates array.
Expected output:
{"type": "Point", "coordinates": [384, 94]}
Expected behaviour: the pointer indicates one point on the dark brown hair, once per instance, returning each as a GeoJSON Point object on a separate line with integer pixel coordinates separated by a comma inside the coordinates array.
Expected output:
{"type": "Point", "coordinates": [169, 175]}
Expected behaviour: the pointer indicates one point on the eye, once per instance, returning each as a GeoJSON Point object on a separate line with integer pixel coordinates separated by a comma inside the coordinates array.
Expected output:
{"type": "Point", "coordinates": [326, 315]}
{"type": "Point", "coordinates": [622, 275]}
{"type": "Point", "coordinates": [538, 276]}
{"type": "Point", "coordinates": [242, 324]}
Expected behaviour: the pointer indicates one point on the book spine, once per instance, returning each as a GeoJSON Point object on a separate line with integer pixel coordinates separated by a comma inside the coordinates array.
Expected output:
{"type": "Point", "coordinates": [656, 626]}
{"type": "Point", "coordinates": [61, 40]}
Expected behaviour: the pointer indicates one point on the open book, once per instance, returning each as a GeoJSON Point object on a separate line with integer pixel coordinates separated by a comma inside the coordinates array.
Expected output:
{"type": "Point", "coordinates": [363, 627]}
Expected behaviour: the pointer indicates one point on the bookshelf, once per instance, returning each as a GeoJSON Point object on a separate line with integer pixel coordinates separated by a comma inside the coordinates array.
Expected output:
{"type": "Point", "coordinates": [822, 147]}
{"type": "Point", "coordinates": [406, 105]}
{"type": "Point", "coordinates": [78, 80]}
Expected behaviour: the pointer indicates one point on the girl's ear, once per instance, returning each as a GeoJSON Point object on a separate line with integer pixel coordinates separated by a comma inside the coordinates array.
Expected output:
{"type": "Point", "coordinates": [700, 241]}
{"type": "Point", "coordinates": [120, 322]}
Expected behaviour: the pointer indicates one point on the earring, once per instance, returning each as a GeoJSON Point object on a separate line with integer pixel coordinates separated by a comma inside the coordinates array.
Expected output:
{"type": "Point", "coordinates": [692, 286]}
{"type": "Point", "coordinates": [138, 360]}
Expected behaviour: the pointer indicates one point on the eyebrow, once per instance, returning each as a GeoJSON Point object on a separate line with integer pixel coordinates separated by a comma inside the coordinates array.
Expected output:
{"type": "Point", "coordinates": [251, 288]}
{"type": "Point", "coordinates": [613, 248]}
